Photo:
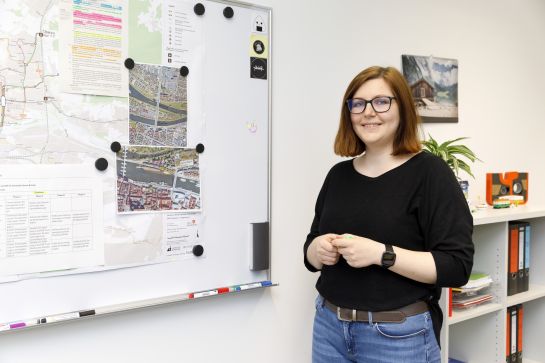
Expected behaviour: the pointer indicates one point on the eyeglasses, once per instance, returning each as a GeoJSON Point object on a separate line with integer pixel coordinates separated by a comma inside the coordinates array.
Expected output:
{"type": "Point", "coordinates": [380, 104]}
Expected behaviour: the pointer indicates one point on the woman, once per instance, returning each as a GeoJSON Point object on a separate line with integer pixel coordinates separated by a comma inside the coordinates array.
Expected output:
{"type": "Point", "coordinates": [391, 228]}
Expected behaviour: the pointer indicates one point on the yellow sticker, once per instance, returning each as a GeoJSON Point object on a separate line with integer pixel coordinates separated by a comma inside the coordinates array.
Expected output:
{"type": "Point", "coordinates": [259, 46]}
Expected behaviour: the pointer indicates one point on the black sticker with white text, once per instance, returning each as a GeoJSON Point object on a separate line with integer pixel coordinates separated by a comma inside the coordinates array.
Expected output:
{"type": "Point", "coordinates": [258, 68]}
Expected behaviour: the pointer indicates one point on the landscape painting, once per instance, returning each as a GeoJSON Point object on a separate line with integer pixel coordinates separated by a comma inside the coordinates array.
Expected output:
{"type": "Point", "coordinates": [434, 86]}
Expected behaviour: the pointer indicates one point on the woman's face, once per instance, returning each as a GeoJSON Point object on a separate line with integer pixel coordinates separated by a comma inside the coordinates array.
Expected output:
{"type": "Point", "coordinates": [376, 130]}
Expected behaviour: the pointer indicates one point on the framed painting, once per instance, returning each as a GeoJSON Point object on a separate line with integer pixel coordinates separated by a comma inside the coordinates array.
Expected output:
{"type": "Point", "coordinates": [434, 86]}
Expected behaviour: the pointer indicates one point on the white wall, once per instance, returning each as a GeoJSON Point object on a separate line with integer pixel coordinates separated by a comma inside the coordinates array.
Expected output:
{"type": "Point", "coordinates": [318, 46]}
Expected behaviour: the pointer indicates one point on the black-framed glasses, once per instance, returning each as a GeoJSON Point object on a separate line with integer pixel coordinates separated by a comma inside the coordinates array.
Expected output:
{"type": "Point", "coordinates": [380, 104]}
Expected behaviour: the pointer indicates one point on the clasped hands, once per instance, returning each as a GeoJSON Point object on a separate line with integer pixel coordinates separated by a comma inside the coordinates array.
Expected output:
{"type": "Point", "coordinates": [357, 251]}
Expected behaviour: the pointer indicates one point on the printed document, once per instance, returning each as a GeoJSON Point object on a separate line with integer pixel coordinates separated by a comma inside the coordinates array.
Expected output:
{"type": "Point", "coordinates": [49, 222]}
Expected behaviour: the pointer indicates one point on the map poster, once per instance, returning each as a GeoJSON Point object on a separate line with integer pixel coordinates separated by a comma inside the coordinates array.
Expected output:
{"type": "Point", "coordinates": [42, 124]}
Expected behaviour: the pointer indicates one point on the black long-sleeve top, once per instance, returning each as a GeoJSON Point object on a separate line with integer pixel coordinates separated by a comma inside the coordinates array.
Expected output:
{"type": "Point", "coordinates": [418, 206]}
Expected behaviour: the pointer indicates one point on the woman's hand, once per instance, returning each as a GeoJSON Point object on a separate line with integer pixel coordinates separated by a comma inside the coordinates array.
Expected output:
{"type": "Point", "coordinates": [322, 252]}
{"type": "Point", "coordinates": [358, 251]}
{"type": "Point", "coordinates": [363, 252]}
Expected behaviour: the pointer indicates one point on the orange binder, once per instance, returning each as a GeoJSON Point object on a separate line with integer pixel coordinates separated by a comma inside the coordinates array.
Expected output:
{"type": "Point", "coordinates": [512, 278]}
{"type": "Point", "coordinates": [520, 314]}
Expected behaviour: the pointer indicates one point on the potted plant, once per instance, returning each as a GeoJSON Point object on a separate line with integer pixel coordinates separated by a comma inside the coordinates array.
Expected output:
{"type": "Point", "coordinates": [451, 153]}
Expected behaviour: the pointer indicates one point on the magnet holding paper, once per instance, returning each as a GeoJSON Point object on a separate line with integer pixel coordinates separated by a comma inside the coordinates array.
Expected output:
{"type": "Point", "coordinates": [115, 146]}
{"type": "Point", "coordinates": [198, 250]}
{"type": "Point", "coordinates": [101, 164]}
{"type": "Point", "coordinates": [184, 71]}
{"type": "Point", "coordinates": [199, 148]}
{"type": "Point", "coordinates": [129, 63]}
{"type": "Point", "coordinates": [228, 12]}
{"type": "Point", "coordinates": [199, 9]}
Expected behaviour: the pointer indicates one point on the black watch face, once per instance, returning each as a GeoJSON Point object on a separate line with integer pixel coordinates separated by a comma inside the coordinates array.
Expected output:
{"type": "Point", "coordinates": [388, 259]}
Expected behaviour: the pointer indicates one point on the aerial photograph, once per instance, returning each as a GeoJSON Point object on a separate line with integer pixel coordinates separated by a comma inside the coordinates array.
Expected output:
{"type": "Point", "coordinates": [157, 106]}
{"type": "Point", "coordinates": [157, 179]}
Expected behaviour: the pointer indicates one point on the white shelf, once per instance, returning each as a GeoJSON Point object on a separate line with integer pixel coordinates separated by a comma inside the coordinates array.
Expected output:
{"type": "Point", "coordinates": [478, 334]}
{"type": "Point", "coordinates": [491, 215]}
{"type": "Point", "coordinates": [474, 312]}
{"type": "Point", "coordinates": [534, 292]}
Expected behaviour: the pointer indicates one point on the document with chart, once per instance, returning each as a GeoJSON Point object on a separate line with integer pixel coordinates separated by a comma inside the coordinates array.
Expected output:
{"type": "Point", "coordinates": [49, 222]}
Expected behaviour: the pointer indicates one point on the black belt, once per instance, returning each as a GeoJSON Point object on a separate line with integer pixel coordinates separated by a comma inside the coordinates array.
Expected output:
{"type": "Point", "coordinates": [389, 316]}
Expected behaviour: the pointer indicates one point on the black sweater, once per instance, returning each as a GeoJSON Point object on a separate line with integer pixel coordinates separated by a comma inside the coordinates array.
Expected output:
{"type": "Point", "coordinates": [418, 206]}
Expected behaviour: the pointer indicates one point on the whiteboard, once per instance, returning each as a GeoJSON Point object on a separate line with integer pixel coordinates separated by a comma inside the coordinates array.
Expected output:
{"type": "Point", "coordinates": [234, 110]}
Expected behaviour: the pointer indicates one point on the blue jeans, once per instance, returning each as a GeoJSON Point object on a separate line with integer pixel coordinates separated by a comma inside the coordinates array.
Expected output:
{"type": "Point", "coordinates": [412, 341]}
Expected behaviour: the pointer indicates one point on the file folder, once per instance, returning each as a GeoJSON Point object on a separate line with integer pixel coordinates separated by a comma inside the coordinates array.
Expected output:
{"type": "Point", "coordinates": [520, 274]}
{"type": "Point", "coordinates": [508, 337]}
{"type": "Point", "coordinates": [512, 278]}
{"type": "Point", "coordinates": [520, 314]}
{"type": "Point", "coordinates": [513, 335]}
{"type": "Point", "coordinates": [526, 279]}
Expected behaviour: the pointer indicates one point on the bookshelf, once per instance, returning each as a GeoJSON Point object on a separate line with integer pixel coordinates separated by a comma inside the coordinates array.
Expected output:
{"type": "Point", "coordinates": [478, 334]}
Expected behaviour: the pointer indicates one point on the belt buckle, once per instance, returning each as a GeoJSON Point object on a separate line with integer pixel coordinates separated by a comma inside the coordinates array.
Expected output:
{"type": "Point", "coordinates": [342, 319]}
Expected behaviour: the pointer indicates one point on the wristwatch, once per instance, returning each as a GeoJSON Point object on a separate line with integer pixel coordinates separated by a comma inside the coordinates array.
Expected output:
{"type": "Point", "coordinates": [388, 257]}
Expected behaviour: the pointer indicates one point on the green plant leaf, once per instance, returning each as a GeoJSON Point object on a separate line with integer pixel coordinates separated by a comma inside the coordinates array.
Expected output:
{"type": "Point", "coordinates": [455, 166]}
{"type": "Point", "coordinates": [448, 142]}
{"type": "Point", "coordinates": [465, 167]}
{"type": "Point", "coordinates": [452, 153]}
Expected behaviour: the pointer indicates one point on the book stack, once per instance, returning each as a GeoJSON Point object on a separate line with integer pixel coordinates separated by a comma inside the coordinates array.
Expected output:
{"type": "Point", "coordinates": [473, 293]}
{"type": "Point", "coordinates": [518, 274]}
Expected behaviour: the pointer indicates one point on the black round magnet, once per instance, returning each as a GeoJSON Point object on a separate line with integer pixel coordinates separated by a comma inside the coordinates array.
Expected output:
{"type": "Point", "coordinates": [198, 250]}
{"type": "Point", "coordinates": [129, 63]}
{"type": "Point", "coordinates": [228, 12]}
{"type": "Point", "coordinates": [184, 71]}
{"type": "Point", "coordinates": [199, 9]}
{"type": "Point", "coordinates": [115, 146]}
{"type": "Point", "coordinates": [101, 164]}
{"type": "Point", "coordinates": [200, 148]}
